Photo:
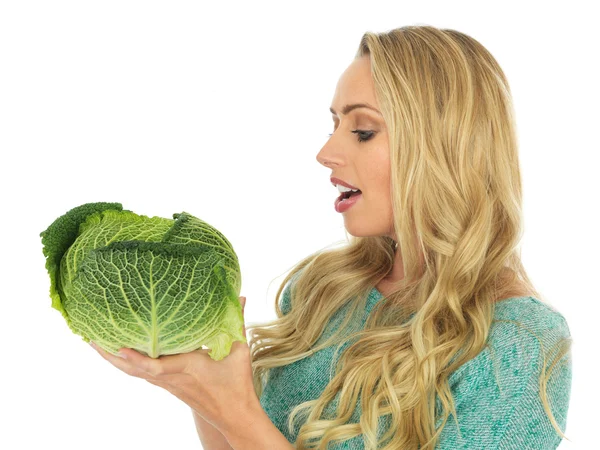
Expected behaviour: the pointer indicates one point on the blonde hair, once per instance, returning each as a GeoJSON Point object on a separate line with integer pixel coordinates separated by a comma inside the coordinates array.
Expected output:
{"type": "Point", "coordinates": [456, 197]}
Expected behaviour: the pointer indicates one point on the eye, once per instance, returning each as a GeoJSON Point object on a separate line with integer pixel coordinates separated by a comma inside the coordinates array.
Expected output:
{"type": "Point", "coordinates": [362, 135]}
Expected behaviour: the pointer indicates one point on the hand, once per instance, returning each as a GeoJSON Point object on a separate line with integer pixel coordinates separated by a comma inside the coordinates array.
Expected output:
{"type": "Point", "coordinates": [220, 391]}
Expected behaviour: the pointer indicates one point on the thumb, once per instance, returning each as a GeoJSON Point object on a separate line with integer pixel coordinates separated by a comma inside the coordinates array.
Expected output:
{"type": "Point", "coordinates": [243, 302]}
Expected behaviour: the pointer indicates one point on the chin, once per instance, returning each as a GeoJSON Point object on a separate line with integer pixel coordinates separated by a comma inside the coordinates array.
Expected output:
{"type": "Point", "coordinates": [357, 230]}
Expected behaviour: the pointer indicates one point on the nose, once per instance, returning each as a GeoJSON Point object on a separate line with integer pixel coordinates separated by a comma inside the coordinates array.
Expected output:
{"type": "Point", "coordinates": [325, 162]}
{"type": "Point", "coordinates": [323, 158]}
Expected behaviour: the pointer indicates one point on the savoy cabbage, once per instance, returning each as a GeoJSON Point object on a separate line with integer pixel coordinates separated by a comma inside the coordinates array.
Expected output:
{"type": "Point", "coordinates": [159, 286]}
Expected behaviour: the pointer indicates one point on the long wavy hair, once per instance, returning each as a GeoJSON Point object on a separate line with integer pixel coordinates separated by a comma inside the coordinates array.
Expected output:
{"type": "Point", "coordinates": [456, 198]}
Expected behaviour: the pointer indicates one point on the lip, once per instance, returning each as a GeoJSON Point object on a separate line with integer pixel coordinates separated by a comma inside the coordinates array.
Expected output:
{"type": "Point", "coordinates": [335, 181]}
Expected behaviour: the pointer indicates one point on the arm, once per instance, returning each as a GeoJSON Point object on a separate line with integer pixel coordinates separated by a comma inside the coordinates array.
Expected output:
{"type": "Point", "coordinates": [210, 437]}
{"type": "Point", "coordinates": [497, 393]}
{"type": "Point", "coordinates": [256, 432]}
{"type": "Point", "coordinates": [529, 427]}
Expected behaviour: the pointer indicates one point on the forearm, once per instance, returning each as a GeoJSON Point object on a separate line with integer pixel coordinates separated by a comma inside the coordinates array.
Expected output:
{"type": "Point", "coordinates": [255, 431]}
{"type": "Point", "coordinates": [210, 437]}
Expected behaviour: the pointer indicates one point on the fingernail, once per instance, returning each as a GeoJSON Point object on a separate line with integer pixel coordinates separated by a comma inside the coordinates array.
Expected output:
{"type": "Point", "coordinates": [122, 355]}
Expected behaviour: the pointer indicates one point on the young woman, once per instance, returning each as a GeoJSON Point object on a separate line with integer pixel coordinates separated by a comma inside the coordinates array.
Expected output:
{"type": "Point", "coordinates": [425, 330]}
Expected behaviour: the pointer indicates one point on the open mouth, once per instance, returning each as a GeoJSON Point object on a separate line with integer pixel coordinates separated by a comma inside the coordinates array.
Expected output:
{"type": "Point", "coordinates": [349, 194]}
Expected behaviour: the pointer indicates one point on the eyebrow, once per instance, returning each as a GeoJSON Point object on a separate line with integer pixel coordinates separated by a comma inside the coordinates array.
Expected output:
{"type": "Point", "coordinates": [346, 109]}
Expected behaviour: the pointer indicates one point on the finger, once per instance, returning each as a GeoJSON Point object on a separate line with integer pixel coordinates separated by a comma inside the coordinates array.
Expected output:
{"type": "Point", "coordinates": [167, 387]}
{"type": "Point", "coordinates": [106, 355]}
{"type": "Point", "coordinates": [163, 365]}
{"type": "Point", "coordinates": [180, 394]}
{"type": "Point", "coordinates": [119, 362]}
{"type": "Point", "coordinates": [159, 383]}
{"type": "Point", "coordinates": [138, 365]}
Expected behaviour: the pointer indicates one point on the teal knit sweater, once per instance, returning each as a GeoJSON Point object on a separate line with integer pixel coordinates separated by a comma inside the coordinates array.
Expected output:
{"type": "Point", "coordinates": [489, 417]}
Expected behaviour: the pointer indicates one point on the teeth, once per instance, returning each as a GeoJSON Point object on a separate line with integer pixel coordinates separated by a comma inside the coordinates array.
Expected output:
{"type": "Point", "coordinates": [343, 189]}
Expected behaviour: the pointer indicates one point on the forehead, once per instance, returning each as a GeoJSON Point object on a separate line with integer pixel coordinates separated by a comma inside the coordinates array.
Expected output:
{"type": "Point", "coordinates": [355, 85]}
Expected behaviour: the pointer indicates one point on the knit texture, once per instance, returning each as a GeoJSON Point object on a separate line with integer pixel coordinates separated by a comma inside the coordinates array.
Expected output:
{"type": "Point", "coordinates": [496, 394]}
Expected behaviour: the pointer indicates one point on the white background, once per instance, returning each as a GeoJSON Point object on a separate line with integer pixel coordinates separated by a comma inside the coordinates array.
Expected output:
{"type": "Point", "coordinates": [220, 111]}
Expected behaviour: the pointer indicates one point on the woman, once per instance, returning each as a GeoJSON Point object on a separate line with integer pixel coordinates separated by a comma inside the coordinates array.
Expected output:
{"type": "Point", "coordinates": [448, 334]}
{"type": "Point", "coordinates": [425, 330]}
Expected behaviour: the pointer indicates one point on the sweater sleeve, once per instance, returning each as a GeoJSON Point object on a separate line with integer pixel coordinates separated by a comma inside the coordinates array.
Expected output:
{"type": "Point", "coordinates": [497, 393]}
{"type": "Point", "coordinates": [529, 426]}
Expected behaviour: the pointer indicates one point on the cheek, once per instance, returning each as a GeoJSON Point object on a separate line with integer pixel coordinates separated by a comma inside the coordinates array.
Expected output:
{"type": "Point", "coordinates": [378, 198]}
{"type": "Point", "coordinates": [379, 185]}
{"type": "Point", "coordinates": [379, 205]}
{"type": "Point", "coordinates": [377, 169]}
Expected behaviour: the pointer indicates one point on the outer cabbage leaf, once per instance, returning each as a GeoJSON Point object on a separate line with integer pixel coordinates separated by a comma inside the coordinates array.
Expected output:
{"type": "Point", "coordinates": [57, 239]}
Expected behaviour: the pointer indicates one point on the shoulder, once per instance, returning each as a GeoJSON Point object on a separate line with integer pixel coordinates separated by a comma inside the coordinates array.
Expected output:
{"type": "Point", "coordinates": [527, 318]}
{"type": "Point", "coordinates": [500, 386]}
{"type": "Point", "coordinates": [522, 331]}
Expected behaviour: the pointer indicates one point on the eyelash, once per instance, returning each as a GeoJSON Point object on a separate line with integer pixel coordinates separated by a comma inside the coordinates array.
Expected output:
{"type": "Point", "coordinates": [359, 133]}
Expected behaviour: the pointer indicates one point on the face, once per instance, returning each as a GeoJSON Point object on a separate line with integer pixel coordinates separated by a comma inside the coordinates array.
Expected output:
{"type": "Point", "coordinates": [358, 153]}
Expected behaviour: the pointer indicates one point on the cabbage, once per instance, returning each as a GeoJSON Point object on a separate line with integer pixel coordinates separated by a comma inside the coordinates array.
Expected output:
{"type": "Point", "coordinates": [159, 286]}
